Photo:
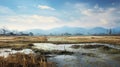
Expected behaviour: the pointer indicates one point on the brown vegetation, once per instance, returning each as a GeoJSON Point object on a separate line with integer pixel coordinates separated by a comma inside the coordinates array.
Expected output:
{"type": "Point", "coordinates": [25, 41]}
{"type": "Point", "coordinates": [115, 40]}
{"type": "Point", "coordinates": [19, 41]}
{"type": "Point", "coordinates": [23, 60]}
{"type": "Point", "coordinates": [59, 52]}
{"type": "Point", "coordinates": [75, 46]}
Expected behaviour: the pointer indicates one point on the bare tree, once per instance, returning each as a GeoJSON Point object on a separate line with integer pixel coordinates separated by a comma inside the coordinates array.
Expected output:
{"type": "Point", "coordinates": [4, 30]}
{"type": "Point", "coordinates": [31, 34]}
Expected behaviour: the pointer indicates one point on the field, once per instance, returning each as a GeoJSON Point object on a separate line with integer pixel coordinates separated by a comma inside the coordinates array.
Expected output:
{"type": "Point", "coordinates": [52, 51]}
{"type": "Point", "coordinates": [23, 41]}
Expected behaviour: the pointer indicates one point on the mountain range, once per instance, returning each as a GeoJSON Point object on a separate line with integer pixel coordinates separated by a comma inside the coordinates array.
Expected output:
{"type": "Point", "coordinates": [74, 30]}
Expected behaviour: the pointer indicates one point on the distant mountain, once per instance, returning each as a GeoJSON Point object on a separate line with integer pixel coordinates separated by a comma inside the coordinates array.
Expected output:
{"type": "Point", "coordinates": [36, 31]}
{"type": "Point", "coordinates": [116, 30]}
{"type": "Point", "coordinates": [98, 30]}
{"type": "Point", "coordinates": [74, 30]}
{"type": "Point", "coordinates": [66, 29]}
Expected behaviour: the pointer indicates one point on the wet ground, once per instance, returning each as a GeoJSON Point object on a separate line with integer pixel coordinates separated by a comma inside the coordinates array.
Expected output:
{"type": "Point", "coordinates": [85, 55]}
{"type": "Point", "coordinates": [76, 55]}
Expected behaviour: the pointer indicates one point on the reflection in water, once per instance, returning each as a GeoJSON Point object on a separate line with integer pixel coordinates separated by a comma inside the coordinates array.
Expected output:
{"type": "Point", "coordinates": [107, 56]}
{"type": "Point", "coordinates": [77, 61]}
{"type": "Point", "coordinates": [81, 57]}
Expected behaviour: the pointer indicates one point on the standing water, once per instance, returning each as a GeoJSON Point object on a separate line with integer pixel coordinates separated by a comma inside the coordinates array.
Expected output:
{"type": "Point", "coordinates": [84, 55]}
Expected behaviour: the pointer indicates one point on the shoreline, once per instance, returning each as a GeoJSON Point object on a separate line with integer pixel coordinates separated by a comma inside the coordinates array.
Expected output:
{"type": "Point", "coordinates": [23, 41]}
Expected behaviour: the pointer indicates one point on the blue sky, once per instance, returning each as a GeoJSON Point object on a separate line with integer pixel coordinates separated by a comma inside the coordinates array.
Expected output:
{"type": "Point", "coordinates": [47, 14]}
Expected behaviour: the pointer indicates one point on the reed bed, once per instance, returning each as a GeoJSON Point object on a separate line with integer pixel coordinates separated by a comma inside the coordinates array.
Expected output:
{"type": "Point", "coordinates": [24, 41]}
{"type": "Point", "coordinates": [23, 60]}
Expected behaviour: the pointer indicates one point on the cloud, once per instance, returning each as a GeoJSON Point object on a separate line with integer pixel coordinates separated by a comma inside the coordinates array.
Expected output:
{"type": "Point", "coordinates": [44, 7]}
{"type": "Point", "coordinates": [96, 16]}
{"type": "Point", "coordinates": [23, 22]}
{"type": "Point", "coordinates": [86, 12]}
{"type": "Point", "coordinates": [6, 10]}
{"type": "Point", "coordinates": [75, 15]}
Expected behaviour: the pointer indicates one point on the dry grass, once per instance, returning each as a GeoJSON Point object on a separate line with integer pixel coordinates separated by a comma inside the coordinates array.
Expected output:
{"type": "Point", "coordinates": [19, 41]}
{"type": "Point", "coordinates": [23, 41]}
{"type": "Point", "coordinates": [23, 60]}
{"type": "Point", "coordinates": [115, 40]}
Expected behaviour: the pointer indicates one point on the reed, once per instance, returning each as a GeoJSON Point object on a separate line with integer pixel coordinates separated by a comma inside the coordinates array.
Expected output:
{"type": "Point", "coordinates": [23, 60]}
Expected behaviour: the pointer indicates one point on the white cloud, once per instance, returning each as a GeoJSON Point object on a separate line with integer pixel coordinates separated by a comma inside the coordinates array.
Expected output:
{"type": "Point", "coordinates": [44, 7]}
{"type": "Point", "coordinates": [76, 15]}
{"type": "Point", "coordinates": [23, 22]}
{"type": "Point", "coordinates": [96, 18]}
{"type": "Point", "coordinates": [86, 12]}
{"type": "Point", "coordinates": [104, 21]}
{"type": "Point", "coordinates": [93, 17]}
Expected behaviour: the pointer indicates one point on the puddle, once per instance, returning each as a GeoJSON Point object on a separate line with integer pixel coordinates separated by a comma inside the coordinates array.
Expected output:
{"type": "Point", "coordinates": [6, 51]}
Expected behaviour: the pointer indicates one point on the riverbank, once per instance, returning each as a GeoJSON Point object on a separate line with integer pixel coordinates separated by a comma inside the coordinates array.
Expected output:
{"type": "Point", "coordinates": [23, 41]}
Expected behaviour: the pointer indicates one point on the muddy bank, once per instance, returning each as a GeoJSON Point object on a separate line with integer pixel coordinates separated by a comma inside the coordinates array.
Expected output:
{"type": "Point", "coordinates": [105, 48]}
{"type": "Point", "coordinates": [47, 52]}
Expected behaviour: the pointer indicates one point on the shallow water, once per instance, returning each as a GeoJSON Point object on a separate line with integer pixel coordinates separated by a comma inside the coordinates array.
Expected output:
{"type": "Point", "coordinates": [50, 46]}
{"type": "Point", "coordinates": [6, 51]}
{"type": "Point", "coordinates": [81, 57]}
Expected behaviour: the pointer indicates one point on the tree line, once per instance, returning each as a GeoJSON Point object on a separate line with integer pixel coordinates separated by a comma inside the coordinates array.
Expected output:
{"type": "Point", "coordinates": [5, 32]}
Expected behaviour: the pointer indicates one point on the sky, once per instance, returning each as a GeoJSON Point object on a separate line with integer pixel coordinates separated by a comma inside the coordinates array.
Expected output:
{"type": "Point", "coordinates": [47, 14]}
